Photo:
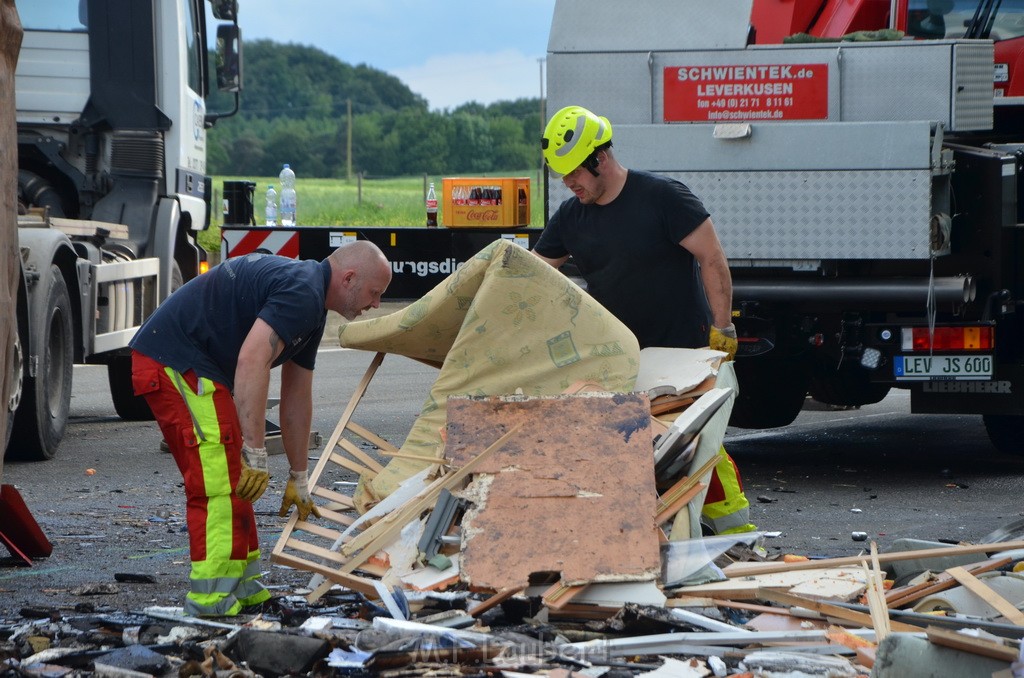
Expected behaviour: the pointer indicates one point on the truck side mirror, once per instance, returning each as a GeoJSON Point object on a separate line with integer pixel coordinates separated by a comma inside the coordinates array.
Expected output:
{"type": "Point", "coordinates": [229, 58]}
{"type": "Point", "coordinates": [225, 10]}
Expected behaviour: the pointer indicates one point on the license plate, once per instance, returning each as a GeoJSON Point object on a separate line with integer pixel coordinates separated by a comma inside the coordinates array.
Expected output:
{"type": "Point", "coordinates": [939, 367]}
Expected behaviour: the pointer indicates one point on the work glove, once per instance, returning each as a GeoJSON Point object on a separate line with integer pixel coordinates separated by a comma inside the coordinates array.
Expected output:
{"type": "Point", "coordinates": [255, 476]}
{"type": "Point", "coordinates": [296, 493]}
{"type": "Point", "coordinates": [724, 339]}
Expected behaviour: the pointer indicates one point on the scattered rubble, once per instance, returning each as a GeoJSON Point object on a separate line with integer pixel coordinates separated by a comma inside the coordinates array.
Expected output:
{"type": "Point", "coordinates": [546, 539]}
{"type": "Point", "coordinates": [759, 628]}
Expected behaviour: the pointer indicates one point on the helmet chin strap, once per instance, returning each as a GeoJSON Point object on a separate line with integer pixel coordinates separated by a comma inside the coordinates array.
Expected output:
{"type": "Point", "coordinates": [591, 164]}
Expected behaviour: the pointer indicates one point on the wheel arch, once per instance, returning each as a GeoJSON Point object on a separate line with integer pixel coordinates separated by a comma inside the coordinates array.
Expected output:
{"type": "Point", "coordinates": [187, 251]}
{"type": "Point", "coordinates": [170, 243]}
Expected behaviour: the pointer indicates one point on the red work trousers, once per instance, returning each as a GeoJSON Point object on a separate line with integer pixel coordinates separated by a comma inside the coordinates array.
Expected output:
{"type": "Point", "coordinates": [200, 424]}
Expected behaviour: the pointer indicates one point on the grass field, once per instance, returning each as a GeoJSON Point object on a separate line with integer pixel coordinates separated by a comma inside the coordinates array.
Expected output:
{"type": "Point", "coordinates": [337, 202]}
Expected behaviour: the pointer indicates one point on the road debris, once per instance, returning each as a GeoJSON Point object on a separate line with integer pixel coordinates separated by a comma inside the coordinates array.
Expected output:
{"type": "Point", "coordinates": [542, 537]}
{"type": "Point", "coordinates": [747, 616]}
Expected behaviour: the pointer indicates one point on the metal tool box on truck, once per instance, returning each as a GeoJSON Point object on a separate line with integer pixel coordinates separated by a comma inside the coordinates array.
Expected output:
{"type": "Point", "coordinates": [420, 257]}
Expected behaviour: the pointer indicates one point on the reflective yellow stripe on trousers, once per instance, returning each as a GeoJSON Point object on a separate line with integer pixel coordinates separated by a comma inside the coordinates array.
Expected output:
{"type": "Point", "coordinates": [217, 580]}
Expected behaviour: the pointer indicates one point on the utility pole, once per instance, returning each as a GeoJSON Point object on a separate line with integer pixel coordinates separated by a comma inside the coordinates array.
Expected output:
{"type": "Point", "coordinates": [348, 142]}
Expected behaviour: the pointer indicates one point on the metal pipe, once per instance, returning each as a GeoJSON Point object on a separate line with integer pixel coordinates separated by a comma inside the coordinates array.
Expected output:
{"type": "Point", "coordinates": [670, 643]}
{"type": "Point", "coordinates": [896, 290]}
{"type": "Point", "coordinates": [956, 621]}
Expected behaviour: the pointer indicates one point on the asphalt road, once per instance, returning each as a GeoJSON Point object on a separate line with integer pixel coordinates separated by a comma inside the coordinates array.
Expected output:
{"type": "Point", "coordinates": [111, 501]}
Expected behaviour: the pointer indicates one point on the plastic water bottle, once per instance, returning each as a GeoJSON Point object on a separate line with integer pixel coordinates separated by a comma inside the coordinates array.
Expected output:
{"type": "Point", "coordinates": [289, 199]}
{"type": "Point", "coordinates": [431, 207]}
{"type": "Point", "coordinates": [271, 208]}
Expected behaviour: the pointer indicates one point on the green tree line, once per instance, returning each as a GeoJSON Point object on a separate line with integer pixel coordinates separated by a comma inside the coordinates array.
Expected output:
{"type": "Point", "coordinates": [294, 109]}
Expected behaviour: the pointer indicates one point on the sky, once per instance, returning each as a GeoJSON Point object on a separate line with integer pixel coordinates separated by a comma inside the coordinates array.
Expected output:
{"type": "Point", "coordinates": [449, 52]}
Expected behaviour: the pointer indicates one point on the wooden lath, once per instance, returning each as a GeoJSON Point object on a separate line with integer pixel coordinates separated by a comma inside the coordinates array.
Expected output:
{"type": "Point", "coordinates": [675, 498]}
{"type": "Point", "coordinates": [316, 546]}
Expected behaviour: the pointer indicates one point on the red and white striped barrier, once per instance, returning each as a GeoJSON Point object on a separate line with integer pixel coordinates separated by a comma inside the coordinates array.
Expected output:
{"type": "Point", "coordinates": [240, 243]}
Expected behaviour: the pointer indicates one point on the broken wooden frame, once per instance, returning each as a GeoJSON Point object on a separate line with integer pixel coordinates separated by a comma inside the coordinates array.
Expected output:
{"type": "Point", "coordinates": [327, 551]}
{"type": "Point", "coordinates": [311, 546]}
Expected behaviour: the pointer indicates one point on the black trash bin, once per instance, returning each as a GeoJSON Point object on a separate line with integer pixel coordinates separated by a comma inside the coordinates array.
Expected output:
{"type": "Point", "coordinates": [238, 203]}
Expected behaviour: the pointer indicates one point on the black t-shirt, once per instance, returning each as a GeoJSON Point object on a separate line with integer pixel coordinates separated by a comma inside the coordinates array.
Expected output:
{"type": "Point", "coordinates": [628, 252]}
{"type": "Point", "coordinates": [202, 325]}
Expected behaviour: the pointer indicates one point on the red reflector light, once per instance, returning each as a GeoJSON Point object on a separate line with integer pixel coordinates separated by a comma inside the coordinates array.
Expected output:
{"type": "Point", "coordinates": [952, 339]}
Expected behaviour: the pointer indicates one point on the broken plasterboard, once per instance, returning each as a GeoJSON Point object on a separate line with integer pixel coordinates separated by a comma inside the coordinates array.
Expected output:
{"type": "Point", "coordinates": [617, 594]}
{"type": "Point", "coordinates": [835, 583]}
{"type": "Point", "coordinates": [430, 578]}
{"type": "Point", "coordinates": [573, 492]}
{"type": "Point", "coordinates": [674, 371]}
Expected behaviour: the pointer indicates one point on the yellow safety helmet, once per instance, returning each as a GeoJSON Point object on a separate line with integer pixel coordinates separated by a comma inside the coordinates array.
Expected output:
{"type": "Point", "coordinates": [571, 136]}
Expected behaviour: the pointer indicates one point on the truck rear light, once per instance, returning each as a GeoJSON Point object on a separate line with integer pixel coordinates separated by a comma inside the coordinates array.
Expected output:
{"type": "Point", "coordinates": [972, 338]}
{"type": "Point", "coordinates": [204, 266]}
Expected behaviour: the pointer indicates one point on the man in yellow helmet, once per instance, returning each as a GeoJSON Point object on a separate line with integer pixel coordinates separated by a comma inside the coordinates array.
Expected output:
{"type": "Point", "coordinates": [649, 253]}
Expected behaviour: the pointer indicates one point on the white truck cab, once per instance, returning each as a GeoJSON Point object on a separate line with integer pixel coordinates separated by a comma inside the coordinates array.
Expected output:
{"type": "Point", "coordinates": [112, 112]}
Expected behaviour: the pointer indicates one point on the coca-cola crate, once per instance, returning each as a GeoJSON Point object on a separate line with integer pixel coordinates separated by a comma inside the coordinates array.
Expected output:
{"type": "Point", "coordinates": [485, 202]}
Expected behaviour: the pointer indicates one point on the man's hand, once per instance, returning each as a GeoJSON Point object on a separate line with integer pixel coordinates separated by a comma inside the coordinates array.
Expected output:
{"type": "Point", "coordinates": [724, 339]}
{"type": "Point", "coordinates": [255, 476]}
{"type": "Point", "coordinates": [296, 493]}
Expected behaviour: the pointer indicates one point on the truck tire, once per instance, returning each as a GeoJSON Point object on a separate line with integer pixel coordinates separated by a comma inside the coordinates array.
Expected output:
{"type": "Point", "coordinates": [46, 398]}
{"type": "Point", "coordinates": [772, 392]}
{"type": "Point", "coordinates": [1004, 431]}
{"type": "Point", "coordinates": [129, 406]}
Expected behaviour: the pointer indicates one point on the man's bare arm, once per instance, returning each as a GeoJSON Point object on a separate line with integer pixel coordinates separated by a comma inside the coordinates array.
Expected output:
{"type": "Point", "coordinates": [296, 413]}
{"type": "Point", "coordinates": [703, 243]}
{"type": "Point", "coordinates": [252, 380]}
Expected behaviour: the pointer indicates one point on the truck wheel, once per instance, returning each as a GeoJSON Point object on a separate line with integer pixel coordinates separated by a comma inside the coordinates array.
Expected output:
{"type": "Point", "coordinates": [1004, 430]}
{"type": "Point", "coordinates": [129, 406]}
{"type": "Point", "coordinates": [46, 398]}
{"type": "Point", "coordinates": [772, 392]}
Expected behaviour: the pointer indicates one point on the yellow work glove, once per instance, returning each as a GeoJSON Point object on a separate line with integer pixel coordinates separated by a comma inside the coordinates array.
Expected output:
{"type": "Point", "coordinates": [296, 494]}
{"type": "Point", "coordinates": [255, 476]}
{"type": "Point", "coordinates": [724, 339]}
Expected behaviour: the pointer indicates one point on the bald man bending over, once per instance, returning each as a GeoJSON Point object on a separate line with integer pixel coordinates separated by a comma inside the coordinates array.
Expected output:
{"type": "Point", "coordinates": [202, 361]}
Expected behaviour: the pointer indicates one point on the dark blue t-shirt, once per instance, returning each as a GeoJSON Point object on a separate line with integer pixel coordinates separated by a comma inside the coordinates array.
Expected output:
{"type": "Point", "coordinates": [628, 252]}
{"type": "Point", "coordinates": [202, 325]}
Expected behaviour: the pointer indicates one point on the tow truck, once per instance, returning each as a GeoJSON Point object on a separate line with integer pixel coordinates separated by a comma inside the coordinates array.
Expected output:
{"type": "Point", "coordinates": [862, 161]}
